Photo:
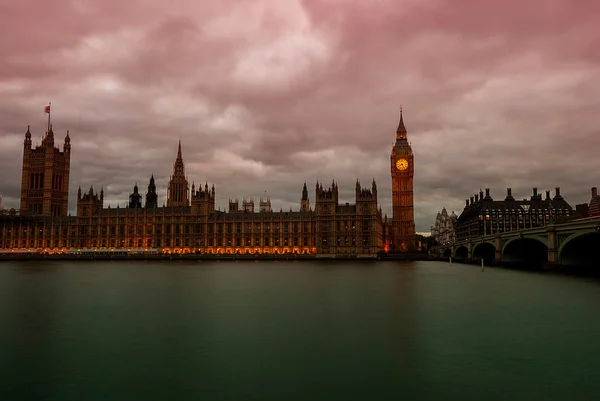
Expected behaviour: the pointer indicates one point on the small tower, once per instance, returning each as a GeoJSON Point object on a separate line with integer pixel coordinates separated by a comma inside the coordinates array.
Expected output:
{"type": "Point", "coordinates": [151, 195]}
{"type": "Point", "coordinates": [304, 202]}
{"type": "Point", "coordinates": [135, 199]}
{"type": "Point", "coordinates": [89, 204]}
{"type": "Point", "coordinates": [234, 205]}
{"type": "Point", "coordinates": [265, 205]}
{"type": "Point", "coordinates": [203, 201]}
{"type": "Point", "coordinates": [178, 193]}
{"type": "Point", "coordinates": [248, 205]}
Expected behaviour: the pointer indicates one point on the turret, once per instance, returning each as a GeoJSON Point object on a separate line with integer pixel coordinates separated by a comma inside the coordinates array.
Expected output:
{"type": "Point", "coordinates": [90, 203]}
{"type": "Point", "coordinates": [265, 205]}
{"type": "Point", "coordinates": [304, 202]}
{"type": "Point", "coordinates": [48, 140]}
{"type": "Point", "coordinates": [151, 195]}
{"type": "Point", "coordinates": [67, 144]}
{"type": "Point", "coordinates": [27, 141]}
{"type": "Point", "coordinates": [374, 189]}
{"type": "Point", "coordinates": [234, 205]}
{"type": "Point", "coordinates": [203, 200]}
{"type": "Point", "coordinates": [135, 199]}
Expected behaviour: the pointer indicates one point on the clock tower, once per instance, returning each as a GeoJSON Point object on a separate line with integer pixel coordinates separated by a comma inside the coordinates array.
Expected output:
{"type": "Point", "coordinates": [403, 171]}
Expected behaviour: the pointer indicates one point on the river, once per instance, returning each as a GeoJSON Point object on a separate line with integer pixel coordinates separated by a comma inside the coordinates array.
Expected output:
{"type": "Point", "coordinates": [295, 331]}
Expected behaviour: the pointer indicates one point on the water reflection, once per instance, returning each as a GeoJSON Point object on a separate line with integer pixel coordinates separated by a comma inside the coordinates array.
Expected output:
{"type": "Point", "coordinates": [30, 331]}
{"type": "Point", "coordinates": [294, 331]}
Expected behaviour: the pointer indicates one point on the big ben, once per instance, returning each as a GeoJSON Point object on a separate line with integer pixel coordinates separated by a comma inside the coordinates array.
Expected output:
{"type": "Point", "coordinates": [403, 170]}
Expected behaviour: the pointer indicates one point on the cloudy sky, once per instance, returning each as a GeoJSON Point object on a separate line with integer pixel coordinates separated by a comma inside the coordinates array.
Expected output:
{"type": "Point", "coordinates": [268, 94]}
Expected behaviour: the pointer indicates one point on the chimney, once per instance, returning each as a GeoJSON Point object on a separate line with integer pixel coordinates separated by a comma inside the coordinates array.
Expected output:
{"type": "Point", "coordinates": [547, 195]}
{"type": "Point", "coordinates": [557, 196]}
{"type": "Point", "coordinates": [471, 200]}
{"type": "Point", "coordinates": [534, 192]}
{"type": "Point", "coordinates": [480, 194]}
{"type": "Point", "coordinates": [508, 191]}
{"type": "Point", "coordinates": [594, 192]}
{"type": "Point", "coordinates": [467, 203]}
{"type": "Point", "coordinates": [487, 192]}
{"type": "Point", "coordinates": [476, 197]}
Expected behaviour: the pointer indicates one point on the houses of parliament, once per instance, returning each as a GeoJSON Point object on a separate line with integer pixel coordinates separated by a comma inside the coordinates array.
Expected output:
{"type": "Point", "coordinates": [189, 222]}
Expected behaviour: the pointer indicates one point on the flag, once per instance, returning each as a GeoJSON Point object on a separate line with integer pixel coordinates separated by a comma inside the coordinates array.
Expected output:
{"type": "Point", "coordinates": [47, 109]}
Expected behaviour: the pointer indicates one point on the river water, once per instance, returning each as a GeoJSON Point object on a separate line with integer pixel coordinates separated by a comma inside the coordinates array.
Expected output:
{"type": "Point", "coordinates": [295, 331]}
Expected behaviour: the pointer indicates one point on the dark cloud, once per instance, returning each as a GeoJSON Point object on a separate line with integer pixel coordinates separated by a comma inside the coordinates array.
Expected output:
{"type": "Point", "coordinates": [269, 94]}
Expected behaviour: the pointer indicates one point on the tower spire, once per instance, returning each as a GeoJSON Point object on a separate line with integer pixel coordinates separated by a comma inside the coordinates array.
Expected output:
{"type": "Point", "coordinates": [401, 128]}
{"type": "Point", "coordinates": [179, 151]}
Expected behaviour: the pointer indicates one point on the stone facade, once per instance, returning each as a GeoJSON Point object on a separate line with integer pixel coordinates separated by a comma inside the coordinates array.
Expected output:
{"type": "Point", "coordinates": [444, 229]}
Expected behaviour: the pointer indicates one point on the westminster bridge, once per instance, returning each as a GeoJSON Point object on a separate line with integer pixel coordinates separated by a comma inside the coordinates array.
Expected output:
{"type": "Point", "coordinates": [576, 243]}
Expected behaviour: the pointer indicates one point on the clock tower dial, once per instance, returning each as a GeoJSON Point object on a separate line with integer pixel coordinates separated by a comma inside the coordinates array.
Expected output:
{"type": "Point", "coordinates": [402, 164]}
{"type": "Point", "coordinates": [402, 172]}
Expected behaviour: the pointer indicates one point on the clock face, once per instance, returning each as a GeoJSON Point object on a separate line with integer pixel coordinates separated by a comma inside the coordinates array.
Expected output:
{"type": "Point", "coordinates": [402, 164]}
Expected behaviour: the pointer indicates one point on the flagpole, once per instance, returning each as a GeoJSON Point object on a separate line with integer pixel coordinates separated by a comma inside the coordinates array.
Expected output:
{"type": "Point", "coordinates": [49, 110]}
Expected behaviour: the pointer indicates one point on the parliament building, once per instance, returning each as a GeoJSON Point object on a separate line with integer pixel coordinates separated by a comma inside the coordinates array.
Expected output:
{"type": "Point", "coordinates": [189, 221]}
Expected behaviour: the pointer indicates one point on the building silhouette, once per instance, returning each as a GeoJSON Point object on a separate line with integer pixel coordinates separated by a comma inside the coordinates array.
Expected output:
{"type": "Point", "coordinates": [483, 215]}
{"type": "Point", "coordinates": [189, 222]}
{"type": "Point", "coordinates": [594, 206]}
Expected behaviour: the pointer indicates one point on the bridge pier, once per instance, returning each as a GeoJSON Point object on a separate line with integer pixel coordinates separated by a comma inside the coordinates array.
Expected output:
{"type": "Point", "coordinates": [552, 245]}
{"type": "Point", "coordinates": [469, 251]}
{"type": "Point", "coordinates": [498, 253]}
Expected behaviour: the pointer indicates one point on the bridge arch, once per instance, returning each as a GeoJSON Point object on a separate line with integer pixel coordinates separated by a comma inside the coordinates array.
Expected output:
{"type": "Point", "coordinates": [462, 252]}
{"type": "Point", "coordinates": [529, 252]}
{"type": "Point", "coordinates": [447, 252]}
{"type": "Point", "coordinates": [580, 250]}
{"type": "Point", "coordinates": [485, 251]}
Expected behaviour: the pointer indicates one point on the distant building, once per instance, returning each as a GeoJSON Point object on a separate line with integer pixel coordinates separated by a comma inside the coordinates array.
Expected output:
{"type": "Point", "coordinates": [444, 229]}
{"type": "Point", "coordinates": [483, 215]}
{"type": "Point", "coordinates": [1, 203]}
{"type": "Point", "coordinates": [594, 207]}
